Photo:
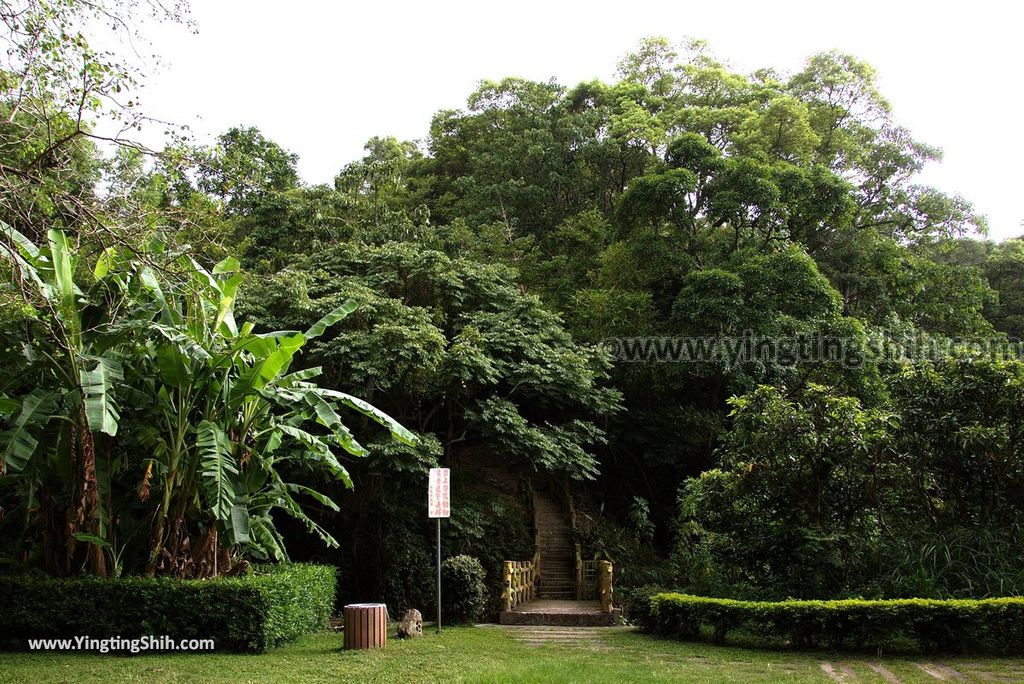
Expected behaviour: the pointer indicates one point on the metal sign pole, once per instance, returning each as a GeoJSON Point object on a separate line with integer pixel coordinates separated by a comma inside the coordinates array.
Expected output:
{"type": "Point", "coordinates": [439, 506]}
{"type": "Point", "coordinates": [438, 575]}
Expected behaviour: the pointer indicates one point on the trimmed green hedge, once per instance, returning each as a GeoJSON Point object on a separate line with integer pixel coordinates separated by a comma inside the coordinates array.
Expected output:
{"type": "Point", "coordinates": [953, 626]}
{"type": "Point", "coordinates": [247, 613]}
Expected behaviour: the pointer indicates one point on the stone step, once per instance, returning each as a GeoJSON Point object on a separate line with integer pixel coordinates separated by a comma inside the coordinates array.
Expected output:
{"type": "Point", "coordinates": [560, 619]}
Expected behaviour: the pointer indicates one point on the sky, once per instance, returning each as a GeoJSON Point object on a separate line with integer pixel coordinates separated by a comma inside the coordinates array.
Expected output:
{"type": "Point", "coordinates": [322, 77]}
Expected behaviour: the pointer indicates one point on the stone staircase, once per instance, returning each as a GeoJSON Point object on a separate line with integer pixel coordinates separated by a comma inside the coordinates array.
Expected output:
{"type": "Point", "coordinates": [554, 603]}
{"type": "Point", "coordinates": [557, 551]}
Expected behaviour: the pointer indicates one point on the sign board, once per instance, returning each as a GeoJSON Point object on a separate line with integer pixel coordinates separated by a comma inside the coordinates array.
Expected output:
{"type": "Point", "coordinates": [439, 494]}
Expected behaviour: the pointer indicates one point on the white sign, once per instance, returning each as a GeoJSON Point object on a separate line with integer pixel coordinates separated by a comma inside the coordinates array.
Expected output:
{"type": "Point", "coordinates": [439, 494]}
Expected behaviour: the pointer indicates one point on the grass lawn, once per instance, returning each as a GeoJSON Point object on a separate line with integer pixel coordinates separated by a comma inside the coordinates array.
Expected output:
{"type": "Point", "coordinates": [494, 654]}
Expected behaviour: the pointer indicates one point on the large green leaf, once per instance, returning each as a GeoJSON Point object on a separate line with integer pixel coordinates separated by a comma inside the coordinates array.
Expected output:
{"type": "Point", "coordinates": [397, 430]}
{"type": "Point", "coordinates": [18, 444]}
{"type": "Point", "coordinates": [228, 265]}
{"type": "Point", "coordinates": [172, 366]}
{"type": "Point", "coordinates": [170, 315]}
{"type": "Point", "coordinates": [225, 308]}
{"type": "Point", "coordinates": [266, 539]}
{"type": "Point", "coordinates": [321, 452]}
{"type": "Point", "coordinates": [325, 413]}
{"type": "Point", "coordinates": [104, 262]}
{"type": "Point", "coordinates": [92, 539]}
{"type": "Point", "coordinates": [238, 524]}
{"type": "Point", "coordinates": [63, 276]}
{"type": "Point", "coordinates": [292, 507]}
{"type": "Point", "coordinates": [318, 328]}
{"type": "Point", "coordinates": [186, 345]}
{"type": "Point", "coordinates": [97, 387]}
{"type": "Point", "coordinates": [24, 245]}
{"type": "Point", "coordinates": [8, 406]}
{"type": "Point", "coordinates": [217, 468]}
{"type": "Point", "coordinates": [322, 498]}
{"type": "Point", "coordinates": [329, 418]}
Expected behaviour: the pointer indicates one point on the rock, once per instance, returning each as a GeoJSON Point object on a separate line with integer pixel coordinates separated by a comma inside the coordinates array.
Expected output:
{"type": "Point", "coordinates": [411, 624]}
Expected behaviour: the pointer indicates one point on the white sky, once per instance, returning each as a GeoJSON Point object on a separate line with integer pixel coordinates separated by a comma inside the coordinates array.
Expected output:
{"type": "Point", "coordinates": [321, 78]}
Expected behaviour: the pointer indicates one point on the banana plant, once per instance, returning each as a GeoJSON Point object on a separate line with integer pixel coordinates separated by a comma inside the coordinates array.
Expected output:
{"type": "Point", "coordinates": [60, 391]}
{"type": "Point", "coordinates": [205, 415]}
{"type": "Point", "coordinates": [226, 414]}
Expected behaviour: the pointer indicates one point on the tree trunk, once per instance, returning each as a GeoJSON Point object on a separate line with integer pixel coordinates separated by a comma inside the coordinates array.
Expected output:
{"type": "Point", "coordinates": [84, 508]}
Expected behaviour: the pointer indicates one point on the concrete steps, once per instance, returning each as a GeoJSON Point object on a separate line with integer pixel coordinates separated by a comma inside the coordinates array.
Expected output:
{"type": "Point", "coordinates": [557, 551]}
{"type": "Point", "coordinates": [560, 613]}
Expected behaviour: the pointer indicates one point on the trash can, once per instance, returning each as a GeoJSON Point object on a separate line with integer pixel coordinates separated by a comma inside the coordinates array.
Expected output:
{"type": "Point", "coordinates": [366, 625]}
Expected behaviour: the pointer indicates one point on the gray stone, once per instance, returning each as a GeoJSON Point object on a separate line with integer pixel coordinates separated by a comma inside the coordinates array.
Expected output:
{"type": "Point", "coordinates": [411, 624]}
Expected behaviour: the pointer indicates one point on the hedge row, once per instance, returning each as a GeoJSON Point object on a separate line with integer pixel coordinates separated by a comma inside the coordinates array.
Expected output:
{"type": "Point", "coordinates": [994, 625]}
{"type": "Point", "coordinates": [247, 613]}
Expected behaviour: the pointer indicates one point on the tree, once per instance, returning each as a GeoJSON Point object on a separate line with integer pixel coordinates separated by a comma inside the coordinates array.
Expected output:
{"type": "Point", "coordinates": [1004, 270]}
{"type": "Point", "coordinates": [792, 511]}
{"type": "Point", "coordinates": [59, 97]}
{"type": "Point", "coordinates": [205, 413]}
{"type": "Point", "coordinates": [245, 168]}
{"type": "Point", "coordinates": [452, 347]}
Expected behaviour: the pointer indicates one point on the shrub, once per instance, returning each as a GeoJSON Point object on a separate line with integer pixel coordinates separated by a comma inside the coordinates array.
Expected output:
{"type": "Point", "coordinates": [463, 589]}
{"type": "Point", "coordinates": [251, 613]}
{"type": "Point", "coordinates": [952, 625]}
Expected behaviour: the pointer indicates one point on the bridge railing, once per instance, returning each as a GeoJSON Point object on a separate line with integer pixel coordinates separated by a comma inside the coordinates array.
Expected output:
{"type": "Point", "coordinates": [520, 579]}
{"type": "Point", "coordinates": [594, 581]}
{"type": "Point", "coordinates": [604, 585]}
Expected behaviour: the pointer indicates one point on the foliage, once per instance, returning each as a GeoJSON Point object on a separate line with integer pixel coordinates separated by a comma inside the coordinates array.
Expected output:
{"type": "Point", "coordinates": [628, 545]}
{"type": "Point", "coordinates": [962, 418]}
{"type": "Point", "coordinates": [950, 626]}
{"type": "Point", "coordinates": [796, 490]}
{"type": "Point", "coordinates": [253, 612]}
{"type": "Point", "coordinates": [143, 428]}
{"type": "Point", "coordinates": [454, 349]}
{"type": "Point", "coordinates": [57, 86]}
{"type": "Point", "coordinates": [244, 169]}
{"type": "Point", "coordinates": [212, 404]}
{"type": "Point", "coordinates": [1004, 270]}
{"type": "Point", "coordinates": [463, 589]}
{"type": "Point", "coordinates": [817, 497]}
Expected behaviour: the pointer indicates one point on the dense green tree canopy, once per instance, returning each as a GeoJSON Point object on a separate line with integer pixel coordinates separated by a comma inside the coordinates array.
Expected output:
{"type": "Point", "coordinates": [493, 269]}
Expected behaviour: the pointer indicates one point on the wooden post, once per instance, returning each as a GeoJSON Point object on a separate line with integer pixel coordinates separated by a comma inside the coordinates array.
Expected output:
{"type": "Point", "coordinates": [579, 574]}
{"type": "Point", "coordinates": [366, 625]}
{"type": "Point", "coordinates": [506, 597]}
{"type": "Point", "coordinates": [604, 585]}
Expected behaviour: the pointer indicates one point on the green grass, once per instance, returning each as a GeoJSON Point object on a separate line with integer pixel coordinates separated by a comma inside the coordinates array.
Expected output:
{"type": "Point", "coordinates": [486, 654]}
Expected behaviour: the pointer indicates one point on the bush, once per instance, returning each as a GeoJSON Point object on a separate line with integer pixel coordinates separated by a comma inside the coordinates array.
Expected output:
{"type": "Point", "coordinates": [250, 613]}
{"type": "Point", "coordinates": [953, 625]}
{"type": "Point", "coordinates": [463, 589]}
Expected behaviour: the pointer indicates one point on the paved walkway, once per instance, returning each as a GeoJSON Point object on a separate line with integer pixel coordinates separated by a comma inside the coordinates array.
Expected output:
{"type": "Point", "coordinates": [591, 638]}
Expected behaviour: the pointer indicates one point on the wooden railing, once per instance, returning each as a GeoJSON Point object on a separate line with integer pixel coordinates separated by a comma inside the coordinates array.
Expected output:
{"type": "Point", "coordinates": [520, 579]}
{"type": "Point", "coordinates": [604, 585]}
{"type": "Point", "coordinates": [587, 588]}
{"type": "Point", "coordinates": [594, 581]}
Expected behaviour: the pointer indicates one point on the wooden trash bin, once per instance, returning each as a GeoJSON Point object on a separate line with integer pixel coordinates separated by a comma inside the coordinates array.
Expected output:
{"type": "Point", "coordinates": [366, 625]}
